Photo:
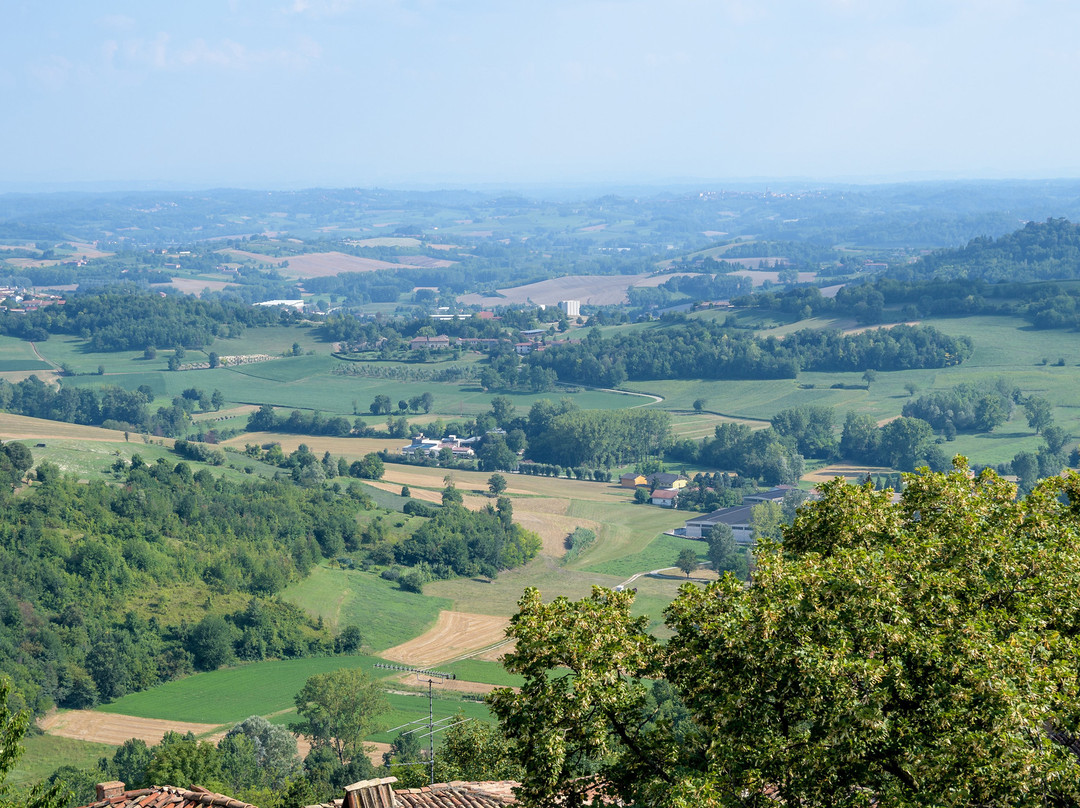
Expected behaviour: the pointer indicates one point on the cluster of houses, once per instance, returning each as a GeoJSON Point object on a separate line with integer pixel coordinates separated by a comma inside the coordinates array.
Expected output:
{"type": "Point", "coordinates": [27, 301]}
{"type": "Point", "coordinates": [666, 487]}
{"type": "Point", "coordinates": [461, 448]}
{"type": "Point", "coordinates": [532, 339]}
{"type": "Point", "coordinates": [736, 517]}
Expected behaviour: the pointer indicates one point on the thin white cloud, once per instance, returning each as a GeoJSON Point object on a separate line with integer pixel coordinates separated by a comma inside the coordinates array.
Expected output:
{"type": "Point", "coordinates": [319, 8]}
{"type": "Point", "coordinates": [161, 53]}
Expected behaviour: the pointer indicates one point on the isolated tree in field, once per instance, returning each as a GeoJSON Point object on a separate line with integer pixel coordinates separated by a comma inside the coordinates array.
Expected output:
{"type": "Point", "coordinates": [869, 376]}
{"type": "Point", "coordinates": [1039, 412]}
{"type": "Point", "coordinates": [919, 654]}
{"type": "Point", "coordinates": [687, 561]}
{"type": "Point", "coordinates": [699, 404]}
{"type": "Point", "coordinates": [381, 405]}
{"type": "Point", "coordinates": [496, 484]}
{"type": "Point", "coordinates": [911, 388]}
{"type": "Point", "coordinates": [338, 710]}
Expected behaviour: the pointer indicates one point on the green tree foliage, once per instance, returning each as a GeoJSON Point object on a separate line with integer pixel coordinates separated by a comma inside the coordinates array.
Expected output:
{"type": "Point", "coordinates": [722, 550]}
{"type": "Point", "coordinates": [14, 724]}
{"type": "Point", "coordinates": [1039, 412]}
{"type": "Point", "coordinates": [77, 559]}
{"type": "Point", "coordinates": [124, 319]}
{"type": "Point", "coordinates": [495, 454]}
{"type": "Point", "coordinates": [700, 349]}
{"type": "Point", "coordinates": [339, 710]}
{"type": "Point", "coordinates": [558, 433]}
{"type": "Point", "coordinates": [687, 561]}
{"type": "Point", "coordinates": [369, 467]}
{"type": "Point", "coordinates": [968, 407]}
{"type": "Point", "coordinates": [810, 427]}
{"type": "Point", "coordinates": [456, 541]}
{"type": "Point", "coordinates": [275, 751]}
{"type": "Point", "coordinates": [496, 484]}
{"type": "Point", "coordinates": [763, 453]}
{"type": "Point", "coordinates": [183, 759]}
{"type": "Point", "coordinates": [920, 654]}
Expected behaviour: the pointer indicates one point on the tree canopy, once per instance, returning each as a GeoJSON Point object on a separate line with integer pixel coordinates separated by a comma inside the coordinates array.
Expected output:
{"type": "Point", "coordinates": [915, 654]}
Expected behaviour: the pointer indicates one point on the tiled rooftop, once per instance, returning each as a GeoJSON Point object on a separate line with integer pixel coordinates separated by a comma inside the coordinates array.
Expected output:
{"type": "Point", "coordinates": [113, 795]}
{"type": "Point", "coordinates": [458, 794]}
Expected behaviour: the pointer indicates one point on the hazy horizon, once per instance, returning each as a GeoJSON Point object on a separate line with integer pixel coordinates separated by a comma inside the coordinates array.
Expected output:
{"type": "Point", "coordinates": [424, 94]}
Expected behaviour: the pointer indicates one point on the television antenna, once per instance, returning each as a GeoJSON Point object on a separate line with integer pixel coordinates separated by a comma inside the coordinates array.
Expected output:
{"type": "Point", "coordinates": [432, 726]}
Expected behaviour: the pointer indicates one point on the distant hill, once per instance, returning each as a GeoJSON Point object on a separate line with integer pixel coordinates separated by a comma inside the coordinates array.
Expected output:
{"type": "Point", "coordinates": [1039, 251]}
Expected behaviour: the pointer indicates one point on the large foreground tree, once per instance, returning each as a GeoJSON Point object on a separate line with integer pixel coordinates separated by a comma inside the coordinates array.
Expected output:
{"type": "Point", "coordinates": [918, 654]}
{"type": "Point", "coordinates": [14, 724]}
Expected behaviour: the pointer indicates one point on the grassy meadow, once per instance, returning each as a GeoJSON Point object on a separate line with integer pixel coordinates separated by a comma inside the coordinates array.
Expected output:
{"type": "Point", "coordinates": [386, 614]}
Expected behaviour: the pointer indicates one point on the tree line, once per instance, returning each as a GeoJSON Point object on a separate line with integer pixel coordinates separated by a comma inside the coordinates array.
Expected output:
{"type": "Point", "coordinates": [126, 319]}
{"type": "Point", "coordinates": [695, 349]}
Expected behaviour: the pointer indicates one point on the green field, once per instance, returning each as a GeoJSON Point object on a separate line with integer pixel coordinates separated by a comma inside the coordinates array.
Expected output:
{"type": "Point", "coordinates": [232, 694]}
{"type": "Point", "coordinates": [385, 614]}
{"type": "Point", "coordinates": [45, 753]}
{"type": "Point", "coordinates": [404, 709]}
{"type": "Point", "coordinates": [661, 552]}
{"type": "Point", "coordinates": [478, 670]}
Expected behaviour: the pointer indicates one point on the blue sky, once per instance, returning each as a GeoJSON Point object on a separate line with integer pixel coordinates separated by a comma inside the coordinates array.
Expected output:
{"type": "Point", "coordinates": [298, 93]}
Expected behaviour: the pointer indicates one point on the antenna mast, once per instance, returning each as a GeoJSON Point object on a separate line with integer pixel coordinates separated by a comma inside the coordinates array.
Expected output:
{"type": "Point", "coordinates": [430, 677]}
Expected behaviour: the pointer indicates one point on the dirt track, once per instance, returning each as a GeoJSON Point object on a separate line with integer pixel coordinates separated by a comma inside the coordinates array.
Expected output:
{"type": "Point", "coordinates": [454, 634]}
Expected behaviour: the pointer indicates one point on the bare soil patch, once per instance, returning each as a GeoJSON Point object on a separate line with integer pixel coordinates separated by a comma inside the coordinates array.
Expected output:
{"type": "Point", "coordinates": [552, 528]}
{"type": "Point", "coordinates": [592, 289]}
{"type": "Point", "coordinates": [50, 377]}
{"type": "Point", "coordinates": [88, 725]}
{"type": "Point", "coordinates": [454, 634]}
{"type": "Point", "coordinates": [318, 265]}
{"type": "Point", "coordinates": [194, 286]}
{"type": "Point", "coordinates": [427, 262]}
{"type": "Point", "coordinates": [844, 470]}
{"type": "Point", "coordinates": [876, 327]}
{"type": "Point", "coordinates": [452, 685]}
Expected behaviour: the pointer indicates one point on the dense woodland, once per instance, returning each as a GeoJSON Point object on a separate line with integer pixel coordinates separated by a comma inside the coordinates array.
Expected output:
{"type": "Point", "coordinates": [129, 320]}
{"type": "Point", "coordinates": [697, 349]}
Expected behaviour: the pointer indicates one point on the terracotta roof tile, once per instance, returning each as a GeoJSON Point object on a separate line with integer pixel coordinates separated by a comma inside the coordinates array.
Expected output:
{"type": "Point", "coordinates": [168, 795]}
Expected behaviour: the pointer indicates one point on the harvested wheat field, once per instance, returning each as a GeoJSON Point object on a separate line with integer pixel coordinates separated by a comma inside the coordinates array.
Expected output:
{"type": "Point", "coordinates": [842, 470]}
{"type": "Point", "coordinates": [194, 286]}
{"type": "Point", "coordinates": [451, 685]}
{"type": "Point", "coordinates": [595, 290]}
{"type": "Point", "coordinates": [88, 725]}
{"type": "Point", "coordinates": [454, 634]}
{"type": "Point", "coordinates": [343, 447]}
{"type": "Point", "coordinates": [20, 427]}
